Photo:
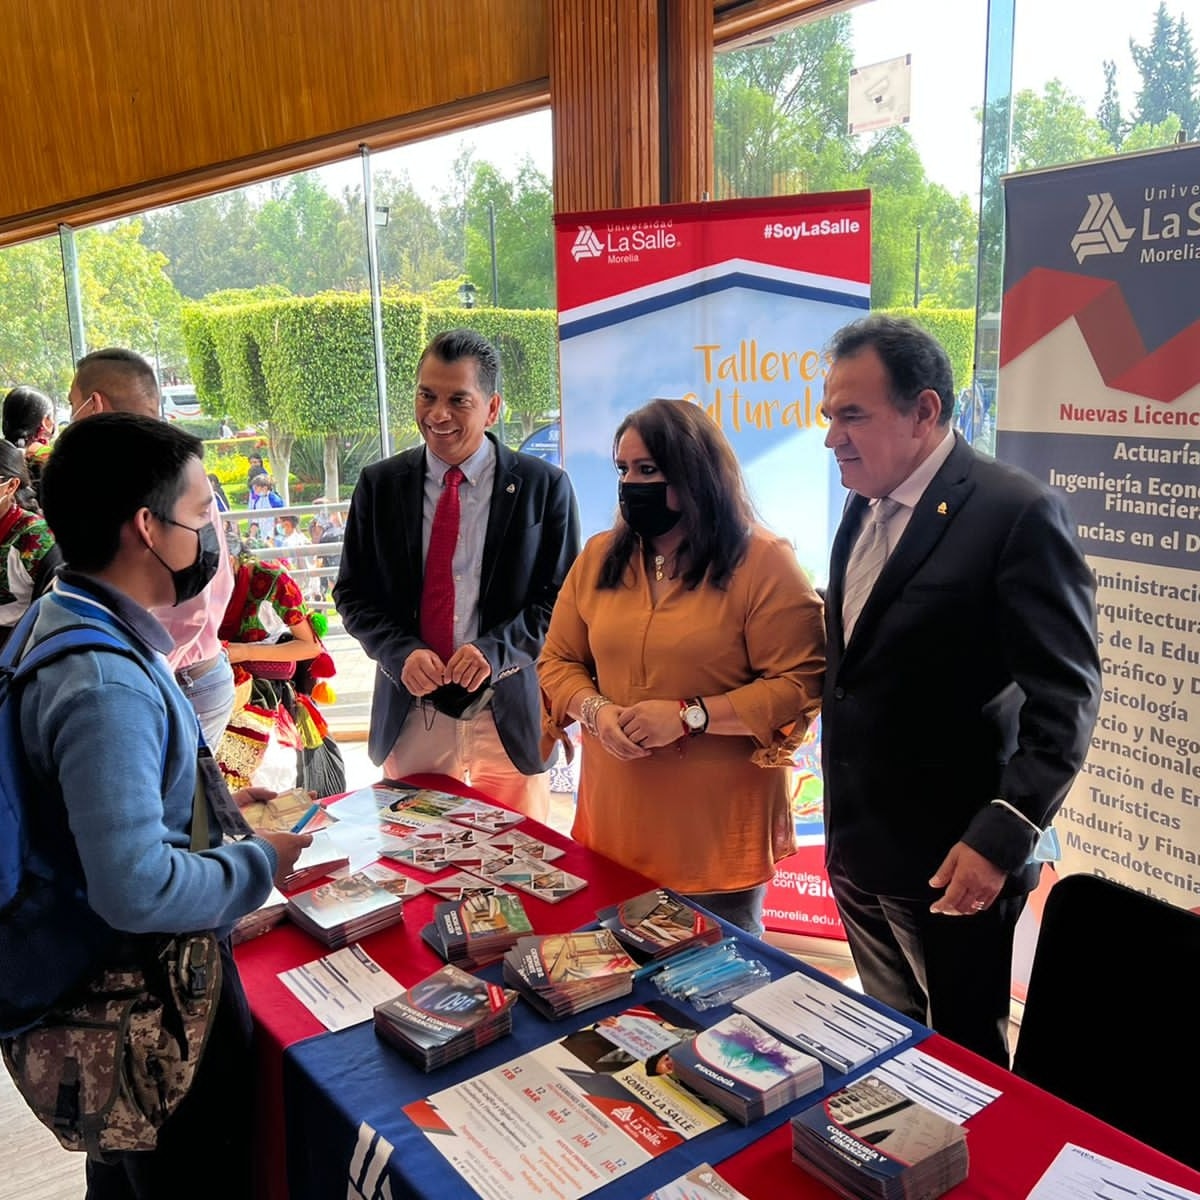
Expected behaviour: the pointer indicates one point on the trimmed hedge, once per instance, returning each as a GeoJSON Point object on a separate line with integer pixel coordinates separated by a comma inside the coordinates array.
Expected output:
{"type": "Point", "coordinates": [954, 328]}
{"type": "Point", "coordinates": [307, 364]}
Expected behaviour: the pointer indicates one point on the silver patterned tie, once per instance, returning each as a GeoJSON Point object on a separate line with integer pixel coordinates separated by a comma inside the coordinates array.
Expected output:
{"type": "Point", "coordinates": [866, 561]}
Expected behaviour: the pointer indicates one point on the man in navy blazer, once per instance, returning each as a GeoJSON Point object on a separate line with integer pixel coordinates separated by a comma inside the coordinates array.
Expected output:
{"type": "Point", "coordinates": [473, 711]}
{"type": "Point", "coordinates": [960, 707]}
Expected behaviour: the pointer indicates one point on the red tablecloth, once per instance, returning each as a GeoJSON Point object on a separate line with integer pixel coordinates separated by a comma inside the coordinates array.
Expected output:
{"type": "Point", "coordinates": [280, 1019]}
{"type": "Point", "coordinates": [1011, 1142]}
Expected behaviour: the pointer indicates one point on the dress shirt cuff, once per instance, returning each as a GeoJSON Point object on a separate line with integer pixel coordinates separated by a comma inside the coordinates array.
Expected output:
{"type": "Point", "coordinates": [1003, 835]}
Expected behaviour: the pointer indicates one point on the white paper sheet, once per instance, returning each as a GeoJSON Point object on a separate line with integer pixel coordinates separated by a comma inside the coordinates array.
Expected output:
{"type": "Point", "coordinates": [948, 1092]}
{"type": "Point", "coordinates": [1079, 1174]}
{"type": "Point", "coordinates": [342, 988]}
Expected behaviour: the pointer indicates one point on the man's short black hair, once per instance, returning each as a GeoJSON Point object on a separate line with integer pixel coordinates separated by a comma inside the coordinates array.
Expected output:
{"type": "Point", "coordinates": [103, 471]}
{"type": "Point", "coordinates": [124, 376]}
{"type": "Point", "coordinates": [454, 344]}
{"type": "Point", "coordinates": [913, 358]}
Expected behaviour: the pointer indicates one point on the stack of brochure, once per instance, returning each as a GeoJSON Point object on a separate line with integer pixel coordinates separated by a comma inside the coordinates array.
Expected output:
{"type": "Point", "coordinates": [477, 930]}
{"type": "Point", "coordinates": [871, 1142]}
{"type": "Point", "coordinates": [343, 910]}
{"type": "Point", "coordinates": [446, 1015]}
{"type": "Point", "coordinates": [266, 916]}
{"type": "Point", "coordinates": [744, 1070]}
{"type": "Point", "coordinates": [827, 1022]}
{"type": "Point", "coordinates": [315, 861]}
{"type": "Point", "coordinates": [568, 972]}
{"type": "Point", "coordinates": [657, 924]}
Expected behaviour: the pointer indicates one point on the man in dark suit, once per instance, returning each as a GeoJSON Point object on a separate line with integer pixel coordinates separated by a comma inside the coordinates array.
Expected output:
{"type": "Point", "coordinates": [961, 688]}
{"type": "Point", "coordinates": [453, 556]}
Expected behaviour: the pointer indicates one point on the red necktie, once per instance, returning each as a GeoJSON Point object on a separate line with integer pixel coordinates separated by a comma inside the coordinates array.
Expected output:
{"type": "Point", "coordinates": [437, 589]}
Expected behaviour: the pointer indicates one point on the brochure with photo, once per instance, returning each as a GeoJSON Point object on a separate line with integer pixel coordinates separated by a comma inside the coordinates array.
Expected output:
{"type": "Point", "coordinates": [532, 876]}
{"type": "Point", "coordinates": [344, 910]}
{"type": "Point", "coordinates": [444, 1016]}
{"type": "Point", "coordinates": [658, 923]}
{"type": "Point", "coordinates": [461, 885]}
{"type": "Point", "coordinates": [743, 1069]}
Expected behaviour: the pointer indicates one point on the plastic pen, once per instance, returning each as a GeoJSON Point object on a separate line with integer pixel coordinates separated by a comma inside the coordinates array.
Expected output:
{"type": "Point", "coordinates": [304, 820]}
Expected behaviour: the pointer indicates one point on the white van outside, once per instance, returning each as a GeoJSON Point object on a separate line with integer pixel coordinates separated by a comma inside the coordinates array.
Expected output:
{"type": "Point", "coordinates": [180, 400]}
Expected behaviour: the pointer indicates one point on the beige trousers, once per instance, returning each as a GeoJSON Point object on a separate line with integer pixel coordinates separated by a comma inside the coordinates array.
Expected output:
{"type": "Point", "coordinates": [468, 750]}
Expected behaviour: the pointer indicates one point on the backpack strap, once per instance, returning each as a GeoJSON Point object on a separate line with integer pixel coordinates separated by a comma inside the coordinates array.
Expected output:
{"type": "Point", "coordinates": [72, 638]}
{"type": "Point", "coordinates": [68, 640]}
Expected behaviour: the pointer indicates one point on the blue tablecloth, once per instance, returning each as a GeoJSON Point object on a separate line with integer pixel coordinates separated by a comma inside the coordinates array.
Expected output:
{"type": "Point", "coordinates": [344, 1093]}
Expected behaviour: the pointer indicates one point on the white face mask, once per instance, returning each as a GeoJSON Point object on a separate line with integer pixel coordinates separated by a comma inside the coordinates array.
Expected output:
{"type": "Point", "coordinates": [82, 408]}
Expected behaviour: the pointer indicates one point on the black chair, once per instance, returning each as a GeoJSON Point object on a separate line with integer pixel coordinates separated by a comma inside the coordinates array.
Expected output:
{"type": "Point", "coordinates": [1112, 1018]}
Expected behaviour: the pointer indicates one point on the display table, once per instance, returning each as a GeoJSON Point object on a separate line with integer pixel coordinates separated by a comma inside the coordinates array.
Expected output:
{"type": "Point", "coordinates": [345, 1091]}
{"type": "Point", "coordinates": [281, 1020]}
{"type": "Point", "coordinates": [345, 1134]}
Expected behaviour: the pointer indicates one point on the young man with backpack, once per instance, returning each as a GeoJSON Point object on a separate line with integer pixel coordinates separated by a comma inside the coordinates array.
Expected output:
{"type": "Point", "coordinates": [118, 814]}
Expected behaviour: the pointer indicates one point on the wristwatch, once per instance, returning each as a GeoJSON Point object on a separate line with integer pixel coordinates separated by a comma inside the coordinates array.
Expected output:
{"type": "Point", "coordinates": [694, 716]}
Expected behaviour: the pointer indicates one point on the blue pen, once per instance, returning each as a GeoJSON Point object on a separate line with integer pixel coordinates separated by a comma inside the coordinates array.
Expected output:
{"type": "Point", "coordinates": [304, 820]}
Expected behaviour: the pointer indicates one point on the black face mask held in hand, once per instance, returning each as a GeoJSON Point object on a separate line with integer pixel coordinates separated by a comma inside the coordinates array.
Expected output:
{"type": "Point", "coordinates": [191, 580]}
{"type": "Point", "coordinates": [644, 507]}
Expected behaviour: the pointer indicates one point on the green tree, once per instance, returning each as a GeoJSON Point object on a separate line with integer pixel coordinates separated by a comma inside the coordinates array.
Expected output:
{"type": "Point", "coordinates": [1108, 115]}
{"type": "Point", "coordinates": [949, 245]}
{"type": "Point", "coordinates": [780, 112]}
{"type": "Point", "coordinates": [209, 243]}
{"type": "Point", "coordinates": [1053, 127]}
{"type": "Point", "coordinates": [127, 298]}
{"type": "Point", "coordinates": [524, 236]}
{"type": "Point", "coordinates": [1167, 65]}
{"type": "Point", "coordinates": [35, 344]}
{"type": "Point", "coordinates": [310, 241]}
{"type": "Point", "coordinates": [892, 169]}
{"type": "Point", "coordinates": [452, 206]}
{"type": "Point", "coordinates": [412, 249]}
{"type": "Point", "coordinates": [1149, 137]}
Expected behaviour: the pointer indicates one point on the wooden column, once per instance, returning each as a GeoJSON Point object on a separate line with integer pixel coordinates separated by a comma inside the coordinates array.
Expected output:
{"type": "Point", "coordinates": [631, 93]}
{"type": "Point", "coordinates": [688, 128]}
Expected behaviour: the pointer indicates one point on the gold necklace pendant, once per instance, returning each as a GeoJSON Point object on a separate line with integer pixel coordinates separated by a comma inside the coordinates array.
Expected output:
{"type": "Point", "coordinates": [660, 561]}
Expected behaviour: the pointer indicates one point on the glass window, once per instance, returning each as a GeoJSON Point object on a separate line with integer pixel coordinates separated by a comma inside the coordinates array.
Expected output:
{"type": "Point", "coordinates": [35, 345]}
{"type": "Point", "coordinates": [781, 127]}
{"type": "Point", "coordinates": [254, 308]}
{"type": "Point", "coordinates": [1087, 88]}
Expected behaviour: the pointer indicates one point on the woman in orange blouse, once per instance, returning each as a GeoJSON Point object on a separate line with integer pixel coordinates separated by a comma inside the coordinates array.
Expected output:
{"type": "Point", "coordinates": [690, 646]}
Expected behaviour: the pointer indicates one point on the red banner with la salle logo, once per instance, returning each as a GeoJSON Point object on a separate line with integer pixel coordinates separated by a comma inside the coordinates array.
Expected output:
{"type": "Point", "coordinates": [730, 306]}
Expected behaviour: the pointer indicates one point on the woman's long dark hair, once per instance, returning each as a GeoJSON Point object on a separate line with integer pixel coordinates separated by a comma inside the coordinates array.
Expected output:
{"type": "Point", "coordinates": [13, 466]}
{"type": "Point", "coordinates": [24, 410]}
{"type": "Point", "coordinates": [700, 465]}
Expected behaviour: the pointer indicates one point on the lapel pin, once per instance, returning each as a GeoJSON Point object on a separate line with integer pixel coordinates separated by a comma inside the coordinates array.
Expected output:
{"type": "Point", "coordinates": [512, 487]}
{"type": "Point", "coordinates": [942, 509]}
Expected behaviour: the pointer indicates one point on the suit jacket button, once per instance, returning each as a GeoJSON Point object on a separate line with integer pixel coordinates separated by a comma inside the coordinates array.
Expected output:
{"type": "Point", "coordinates": [839, 693]}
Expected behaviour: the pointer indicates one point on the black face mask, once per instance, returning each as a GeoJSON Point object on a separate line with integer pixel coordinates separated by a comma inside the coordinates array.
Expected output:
{"type": "Point", "coordinates": [190, 581]}
{"type": "Point", "coordinates": [644, 507]}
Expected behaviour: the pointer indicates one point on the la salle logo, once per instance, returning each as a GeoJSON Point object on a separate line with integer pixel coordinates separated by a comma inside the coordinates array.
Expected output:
{"type": "Point", "coordinates": [1102, 230]}
{"type": "Point", "coordinates": [587, 244]}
